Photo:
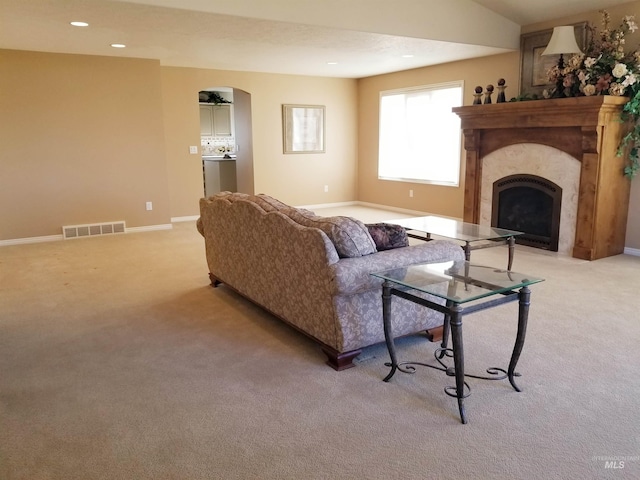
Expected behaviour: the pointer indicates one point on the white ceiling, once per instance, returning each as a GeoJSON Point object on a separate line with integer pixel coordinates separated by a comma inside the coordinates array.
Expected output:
{"type": "Point", "coordinates": [364, 37]}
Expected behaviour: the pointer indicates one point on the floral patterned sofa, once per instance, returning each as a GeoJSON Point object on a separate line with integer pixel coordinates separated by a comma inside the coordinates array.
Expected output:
{"type": "Point", "coordinates": [312, 272]}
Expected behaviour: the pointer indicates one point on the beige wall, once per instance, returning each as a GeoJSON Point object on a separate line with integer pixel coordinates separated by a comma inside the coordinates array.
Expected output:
{"type": "Point", "coordinates": [436, 199]}
{"type": "Point", "coordinates": [295, 179]}
{"type": "Point", "coordinates": [81, 142]}
{"type": "Point", "coordinates": [87, 139]}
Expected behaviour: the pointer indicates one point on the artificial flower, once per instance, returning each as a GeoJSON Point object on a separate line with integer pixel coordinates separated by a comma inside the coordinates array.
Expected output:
{"type": "Point", "coordinates": [616, 89]}
{"type": "Point", "coordinates": [589, 62]}
{"type": "Point", "coordinates": [620, 70]}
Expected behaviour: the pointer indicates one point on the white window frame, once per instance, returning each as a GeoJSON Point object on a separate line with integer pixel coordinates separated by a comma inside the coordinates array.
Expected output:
{"type": "Point", "coordinates": [391, 156]}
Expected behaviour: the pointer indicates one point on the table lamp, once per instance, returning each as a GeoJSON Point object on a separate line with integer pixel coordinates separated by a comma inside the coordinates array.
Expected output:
{"type": "Point", "coordinates": [563, 40]}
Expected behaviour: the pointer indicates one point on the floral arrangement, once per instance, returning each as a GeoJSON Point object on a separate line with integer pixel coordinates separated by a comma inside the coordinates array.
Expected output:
{"type": "Point", "coordinates": [605, 68]}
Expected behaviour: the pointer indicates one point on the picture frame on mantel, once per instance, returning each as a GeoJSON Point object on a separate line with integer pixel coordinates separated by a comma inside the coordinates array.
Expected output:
{"type": "Point", "coordinates": [303, 128]}
{"type": "Point", "coordinates": [534, 66]}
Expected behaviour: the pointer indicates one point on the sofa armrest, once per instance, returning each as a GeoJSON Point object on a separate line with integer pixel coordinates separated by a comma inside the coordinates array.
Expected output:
{"type": "Point", "coordinates": [352, 275]}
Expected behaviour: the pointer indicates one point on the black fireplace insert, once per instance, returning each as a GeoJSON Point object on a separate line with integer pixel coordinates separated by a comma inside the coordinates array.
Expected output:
{"type": "Point", "coordinates": [529, 204]}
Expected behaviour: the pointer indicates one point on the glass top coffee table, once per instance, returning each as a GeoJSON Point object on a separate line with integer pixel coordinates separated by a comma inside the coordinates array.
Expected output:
{"type": "Point", "coordinates": [456, 289]}
{"type": "Point", "coordinates": [471, 234]}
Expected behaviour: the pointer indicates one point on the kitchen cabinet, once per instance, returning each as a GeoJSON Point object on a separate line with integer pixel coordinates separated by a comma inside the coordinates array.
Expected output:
{"type": "Point", "coordinates": [216, 120]}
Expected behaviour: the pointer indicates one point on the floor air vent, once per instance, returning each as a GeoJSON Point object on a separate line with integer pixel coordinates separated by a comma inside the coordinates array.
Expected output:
{"type": "Point", "coordinates": [78, 231]}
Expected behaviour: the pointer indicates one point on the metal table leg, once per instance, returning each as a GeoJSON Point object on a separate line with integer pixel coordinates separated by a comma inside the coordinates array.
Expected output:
{"type": "Point", "coordinates": [458, 358]}
{"type": "Point", "coordinates": [445, 331]}
{"type": "Point", "coordinates": [388, 334]}
{"type": "Point", "coordinates": [511, 241]}
{"type": "Point", "coordinates": [467, 251]}
{"type": "Point", "coordinates": [524, 300]}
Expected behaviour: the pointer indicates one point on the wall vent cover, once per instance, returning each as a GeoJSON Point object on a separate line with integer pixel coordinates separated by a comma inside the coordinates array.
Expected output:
{"type": "Point", "coordinates": [92, 230]}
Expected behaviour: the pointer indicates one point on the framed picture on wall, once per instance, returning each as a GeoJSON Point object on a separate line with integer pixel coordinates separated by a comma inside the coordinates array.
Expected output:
{"type": "Point", "coordinates": [534, 66]}
{"type": "Point", "coordinates": [303, 128]}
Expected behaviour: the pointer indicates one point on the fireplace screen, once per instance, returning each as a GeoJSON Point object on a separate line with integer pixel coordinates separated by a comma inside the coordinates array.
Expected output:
{"type": "Point", "coordinates": [529, 204]}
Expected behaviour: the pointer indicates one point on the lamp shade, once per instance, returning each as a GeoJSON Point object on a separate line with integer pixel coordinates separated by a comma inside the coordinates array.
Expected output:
{"type": "Point", "coordinates": [563, 40]}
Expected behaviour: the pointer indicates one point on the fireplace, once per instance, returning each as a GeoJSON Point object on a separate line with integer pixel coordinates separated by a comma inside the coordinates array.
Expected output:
{"type": "Point", "coordinates": [529, 204]}
{"type": "Point", "coordinates": [581, 133]}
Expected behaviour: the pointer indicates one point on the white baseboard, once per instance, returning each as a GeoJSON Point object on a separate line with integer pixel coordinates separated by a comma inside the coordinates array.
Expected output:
{"type": "Point", "coordinates": [327, 205]}
{"type": "Point", "coordinates": [54, 238]}
{"type": "Point", "coordinates": [150, 228]}
{"type": "Point", "coordinates": [191, 218]}
{"type": "Point", "coordinates": [632, 251]}
{"type": "Point", "coordinates": [24, 241]}
{"type": "Point", "coordinates": [365, 204]}
{"type": "Point", "coordinates": [405, 211]}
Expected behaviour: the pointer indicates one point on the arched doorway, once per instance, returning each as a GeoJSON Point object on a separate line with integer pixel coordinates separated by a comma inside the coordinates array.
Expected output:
{"type": "Point", "coordinates": [226, 140]}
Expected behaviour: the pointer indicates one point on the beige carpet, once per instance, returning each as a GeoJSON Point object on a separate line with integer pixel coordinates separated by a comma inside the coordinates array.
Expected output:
{"type": "Point", "coordinates": [119, 361]}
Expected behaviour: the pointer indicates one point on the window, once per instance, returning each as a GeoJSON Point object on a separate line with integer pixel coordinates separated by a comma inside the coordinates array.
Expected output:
{"type": "Point", "coordinates": [420, 135]}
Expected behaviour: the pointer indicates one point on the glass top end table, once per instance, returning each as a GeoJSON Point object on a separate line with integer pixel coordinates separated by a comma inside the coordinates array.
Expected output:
{"type": "Point", "coordinates": [456, 289]}
{"type": "Point", "coordinates": [469, 233]}
{"type": "Point", "coordinates": [464, 281]}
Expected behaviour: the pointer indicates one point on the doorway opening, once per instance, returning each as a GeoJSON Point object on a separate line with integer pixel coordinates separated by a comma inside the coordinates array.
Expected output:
{"type": "Point", "coordinates": [226, 140]}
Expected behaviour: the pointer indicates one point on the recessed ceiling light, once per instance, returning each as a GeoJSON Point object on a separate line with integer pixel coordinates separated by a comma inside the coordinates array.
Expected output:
{"type": "Point", "coordinates": [407, 56]}
{"type": "Point", "coordinates": [118, 45]}
{"type": "Point", "coordinates": [80, 24]}
{"type": "Point", "coordinates": [332, 63]}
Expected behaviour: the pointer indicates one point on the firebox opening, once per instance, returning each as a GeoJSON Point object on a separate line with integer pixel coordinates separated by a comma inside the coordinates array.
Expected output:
{"type": "Point", "coordinates": [529, 204]}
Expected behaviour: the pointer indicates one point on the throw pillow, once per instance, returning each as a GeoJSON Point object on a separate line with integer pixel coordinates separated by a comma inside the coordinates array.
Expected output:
{"type": "Point", "coordinates": [387, 236]}
{"type": "Point", "coordinates": [350, 236]}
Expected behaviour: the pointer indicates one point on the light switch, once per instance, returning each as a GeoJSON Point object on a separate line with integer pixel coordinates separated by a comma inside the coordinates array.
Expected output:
{"type": "Point", "coordinates": [193, 149]}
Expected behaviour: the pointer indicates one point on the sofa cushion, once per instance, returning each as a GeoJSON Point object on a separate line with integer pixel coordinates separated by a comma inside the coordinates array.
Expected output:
{"type": "Point", "coordinates": [231, 196]}
{"type": "Point", "coordinates": [387, 236]}
{"type": "Point", "coordinates": [350, 236]}
{"type": "Point", "coordinates": [269, 204]}
{"type": "Point", "coordinates": [225, 195]}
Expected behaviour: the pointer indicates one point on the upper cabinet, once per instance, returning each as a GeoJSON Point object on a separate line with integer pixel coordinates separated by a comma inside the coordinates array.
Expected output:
{"type": "Point", "coordinates": [222, 122]}
{"type": "Point", "coordinates": [216, 120]}
{"type": "Point", "coordinates": [206, 121]}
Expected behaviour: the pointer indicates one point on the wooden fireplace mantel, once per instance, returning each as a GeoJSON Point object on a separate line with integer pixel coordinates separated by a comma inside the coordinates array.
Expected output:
{"type": "Point", "coordinates": [587, 128]}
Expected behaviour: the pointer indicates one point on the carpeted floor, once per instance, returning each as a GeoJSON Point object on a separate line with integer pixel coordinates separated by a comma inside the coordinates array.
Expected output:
{"type": "Point", "coordinates": [119, 361]}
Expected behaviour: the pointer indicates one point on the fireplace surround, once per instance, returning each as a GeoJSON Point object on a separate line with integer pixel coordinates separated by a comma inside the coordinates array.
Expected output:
{"type": "Point", "coordinates": [582, 129]}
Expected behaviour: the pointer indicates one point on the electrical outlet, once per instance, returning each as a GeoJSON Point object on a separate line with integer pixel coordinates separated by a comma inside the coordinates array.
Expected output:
{"type": "Point", "coordinates": [326, 188]}
{"type": "Point", "coordinates": [411, 193]}
{"type": "Point", "coordinates": [193, 150]}
{"type": "Point", "coordinates": [149, 205]}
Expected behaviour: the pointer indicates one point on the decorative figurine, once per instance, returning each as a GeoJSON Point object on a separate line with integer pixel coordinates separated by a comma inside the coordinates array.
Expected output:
{"type": "Point", "coordinates": [477, 96]}
{"type": "Point", "coordinates": [487, 95]}
{"type": "Point", "coordinates": [501, 96]}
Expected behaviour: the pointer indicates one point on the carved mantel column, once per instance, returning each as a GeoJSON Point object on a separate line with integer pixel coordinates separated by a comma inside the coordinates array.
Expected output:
{"type": "Point", "coordinates": [473, 175]}
{"type": "Point", "coordinates": [587, 128]}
